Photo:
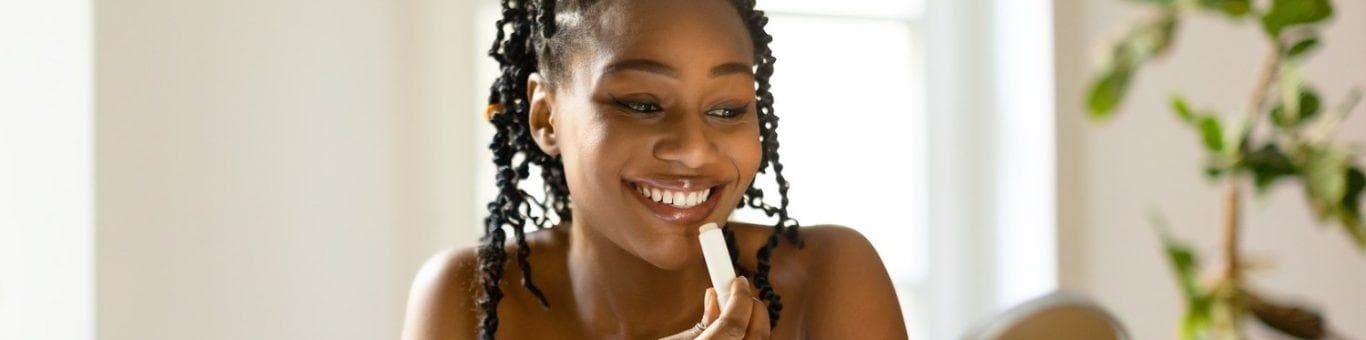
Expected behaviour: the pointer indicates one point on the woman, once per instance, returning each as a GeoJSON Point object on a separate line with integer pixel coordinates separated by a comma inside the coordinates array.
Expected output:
{"type": "Point", "coordinates": [648, 118]}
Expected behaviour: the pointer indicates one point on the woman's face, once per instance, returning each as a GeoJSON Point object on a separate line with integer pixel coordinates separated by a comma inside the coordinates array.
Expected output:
{"type": "Point", "coordinates": [656, 124]}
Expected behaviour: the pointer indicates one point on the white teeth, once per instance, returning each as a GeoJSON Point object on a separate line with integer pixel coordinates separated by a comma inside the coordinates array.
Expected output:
{"type": "Point", "coordinates": [680, 199]}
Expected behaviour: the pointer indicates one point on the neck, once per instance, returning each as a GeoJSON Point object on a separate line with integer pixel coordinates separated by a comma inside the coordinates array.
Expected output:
{"type": "Point", "coordinates": [619, 293]}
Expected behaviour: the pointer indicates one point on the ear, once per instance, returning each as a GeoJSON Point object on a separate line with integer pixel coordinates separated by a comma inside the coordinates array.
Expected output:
{"type": "Point", "coordinates": [541, 117]}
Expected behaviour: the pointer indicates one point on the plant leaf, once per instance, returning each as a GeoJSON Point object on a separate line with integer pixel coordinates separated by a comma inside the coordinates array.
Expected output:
{"type": "Point", "coordinates": [1307, 106]}
{"type": "Point", "coordinates": [1151, 38]}
{"type": "Point", "coordinates": [1213, 171]}
{"type": "Point", "coordinates": [1325, 177]}
{"type": "Point", "coordinates": [1350, 211]}
{"type": "Point", "coordinates": [1186, 266]}
{"type": "Point", "coordinates": [1184, 262]}
{"type": "Point", "coordinates": [1148, 39]}
{"type": "Point", "coordinates": [1231, 8]}
{"type": "Point", "coordinates": [1302, 46]}
{"type": "Point", "coordinates": [1195, 323]}
{"type": "Point", "coordinates": [1267, 164]}
{"type": "Point", "coordinates": [1309, 103]}
{"type": "Point", "coordinates": [1293, 320]}
{"type": "Point", "coordinates": [1211, 133]}
{"type": "Point", "coordinates": [1108, 90]}
{"type": "Point", "coordinates": [1285, 13]}
{"type": "Point", "coordinates": [1183, 110]}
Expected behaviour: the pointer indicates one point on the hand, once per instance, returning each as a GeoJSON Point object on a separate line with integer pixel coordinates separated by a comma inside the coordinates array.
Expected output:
{"type": "Point", "coordinates": [745, 316]}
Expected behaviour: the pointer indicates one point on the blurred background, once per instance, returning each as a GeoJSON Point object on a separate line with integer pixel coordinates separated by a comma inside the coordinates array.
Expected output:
{"type": "Point", "coordinates": [267, 169]}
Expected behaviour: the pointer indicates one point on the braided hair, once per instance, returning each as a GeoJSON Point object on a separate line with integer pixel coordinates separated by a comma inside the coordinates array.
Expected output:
{"type": "Point", "coordinates": [532, 36]}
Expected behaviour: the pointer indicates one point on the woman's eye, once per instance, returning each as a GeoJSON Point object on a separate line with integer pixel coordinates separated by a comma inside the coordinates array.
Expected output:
{"type": "Point", "coordinates": [644, 107]}
{"type": "Point", "coordinates": [639, 106]}
{"type": "Point", "coordinates": [727, 113]}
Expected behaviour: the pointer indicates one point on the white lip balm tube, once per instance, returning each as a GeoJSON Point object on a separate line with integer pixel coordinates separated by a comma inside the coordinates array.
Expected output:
{"type": "Point", "coordinates": [718, 261]}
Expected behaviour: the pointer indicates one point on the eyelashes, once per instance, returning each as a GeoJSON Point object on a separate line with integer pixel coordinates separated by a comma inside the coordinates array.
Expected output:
{"type": "Point", "coordinates": [728, 113]}
{"type": "Point", "coordinates": [638, 106]}
{"type": "Point", "coordinates": [652, 107]}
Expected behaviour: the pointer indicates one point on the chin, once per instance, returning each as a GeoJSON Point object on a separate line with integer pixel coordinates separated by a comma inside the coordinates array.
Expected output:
{"type": "Point", "coordinates": [674, 253]}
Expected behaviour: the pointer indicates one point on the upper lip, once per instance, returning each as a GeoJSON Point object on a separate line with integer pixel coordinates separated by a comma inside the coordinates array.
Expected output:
{"type": "Point", "coordinates": [678, 183]}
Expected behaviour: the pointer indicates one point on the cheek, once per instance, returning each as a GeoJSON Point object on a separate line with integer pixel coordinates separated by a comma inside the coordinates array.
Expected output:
{"type": "Point", "coordinates": [588, 153]}
{"type": "Point", "coordinates": [746, 151]}
{"type": "Point", "coordinates": [596, 152]}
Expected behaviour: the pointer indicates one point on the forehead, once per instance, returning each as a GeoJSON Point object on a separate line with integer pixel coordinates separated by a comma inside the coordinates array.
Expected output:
{"type": "Point", "coordinates": [683, 34]}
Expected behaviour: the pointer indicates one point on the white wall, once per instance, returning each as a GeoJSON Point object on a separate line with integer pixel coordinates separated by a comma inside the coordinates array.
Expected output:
{"type": "Point", "coordinates": [46, 258]}
{"type": "Point", "coordinates": [445, 121]}
{"type": "Point", "coordinates": [273, 169]}
{"type": "Point", "coordinates": [1112, 176]}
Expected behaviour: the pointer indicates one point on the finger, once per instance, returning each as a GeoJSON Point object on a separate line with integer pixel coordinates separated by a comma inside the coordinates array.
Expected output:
{"type": "Point", "coordinates": [734, 319]}
{"type": "Point", "coordinates": [711, 310]}
{"type": "Point", "coordinates": [758, 321]}
{"type": "Point", "coordinates": [740, 290]}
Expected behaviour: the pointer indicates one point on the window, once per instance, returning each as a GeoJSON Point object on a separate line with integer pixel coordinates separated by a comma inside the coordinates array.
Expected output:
{"type": "Point", "coordinates": [848, 86]}
{"type": "Point", "coordinates": [47, 171]}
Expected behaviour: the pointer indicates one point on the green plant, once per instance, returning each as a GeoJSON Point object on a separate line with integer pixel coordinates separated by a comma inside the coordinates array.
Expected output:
{"type": "Point", "coordinates": [1285, 134]}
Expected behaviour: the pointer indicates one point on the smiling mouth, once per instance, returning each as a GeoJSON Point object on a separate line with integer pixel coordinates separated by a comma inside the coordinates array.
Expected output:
{"type": "Point", "coordinates": [677, 199]}
{"type": "Point", "coordinates": [675, 206]}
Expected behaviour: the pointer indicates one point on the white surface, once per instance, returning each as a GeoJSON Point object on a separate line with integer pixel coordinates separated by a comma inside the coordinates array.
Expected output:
{"type": "Point", "coordinates": [46, 230]}
{"type": "Point", "coordinates": [1112, 176]}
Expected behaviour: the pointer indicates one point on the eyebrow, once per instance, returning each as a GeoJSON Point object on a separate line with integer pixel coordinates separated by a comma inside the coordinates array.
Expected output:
{"type": "Point", "coordinates": [656, 67]}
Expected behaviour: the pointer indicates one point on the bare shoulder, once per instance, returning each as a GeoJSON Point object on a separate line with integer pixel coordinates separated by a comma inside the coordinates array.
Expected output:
{"type": "Point", "coordinates": [840, 242]}
{"type": "Point", "coordinates": [845, 289]}
{"type": "Point", "coordinates": [439, 303]}
{"type": "Point", "coordinates": [442, 303]}
{"type": "Point", "coordinates": [822, 247]}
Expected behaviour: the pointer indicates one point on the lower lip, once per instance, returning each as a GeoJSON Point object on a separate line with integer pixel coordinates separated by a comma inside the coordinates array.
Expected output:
{"type": "Point", "coordinates": [674, 215]}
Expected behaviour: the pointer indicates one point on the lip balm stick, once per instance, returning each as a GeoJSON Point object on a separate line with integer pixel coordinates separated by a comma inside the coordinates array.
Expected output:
{"type": "Point", "coordinates": [718, 261]}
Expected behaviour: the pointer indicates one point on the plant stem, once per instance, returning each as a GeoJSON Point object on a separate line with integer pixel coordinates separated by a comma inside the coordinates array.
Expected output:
{"type": "Point", "coordinates": [1269, 71]}
{"type": "Point", "coordinates": [1257, 103]}
{"type": "Point", "coordinates": [1231, 231]}
{"type": "Point", "coordinates": [1231, 284]}
{"type": "Point", "coordinates": [1232, 194]}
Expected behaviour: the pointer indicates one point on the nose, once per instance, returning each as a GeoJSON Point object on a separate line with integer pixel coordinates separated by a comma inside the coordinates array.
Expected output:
{"type": "Point", "coordinates": [687, 142]}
